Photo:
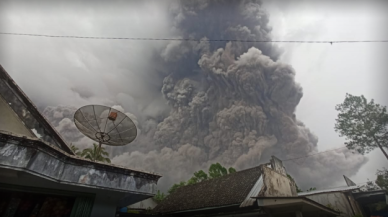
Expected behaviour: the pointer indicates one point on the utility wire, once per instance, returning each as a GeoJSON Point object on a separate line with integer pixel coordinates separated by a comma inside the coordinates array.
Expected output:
{"type": "Point", "coordinates": [329, 188]}
{"type": "Point", "coordinates": [305, 156]}
{"type": "Point", "coordinates": [192, 39]}
{"type": "Point", "coordinates": [186, 39]}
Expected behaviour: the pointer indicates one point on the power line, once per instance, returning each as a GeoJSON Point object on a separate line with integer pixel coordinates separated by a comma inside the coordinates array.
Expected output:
{"type": "Point", "coordinates": [188, 39]}
{"type": "Point", "coordinates": [329, 188]}
{"type": "Point", "coordinates": [305, 156]}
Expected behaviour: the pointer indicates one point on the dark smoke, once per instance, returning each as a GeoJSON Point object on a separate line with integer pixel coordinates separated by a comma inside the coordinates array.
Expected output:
{"type": "Point", "coordinates": [231, 102]}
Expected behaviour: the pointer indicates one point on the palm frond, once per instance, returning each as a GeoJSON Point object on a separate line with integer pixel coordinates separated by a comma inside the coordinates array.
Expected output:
{"type": "Point", "coordinates": [95, 154]}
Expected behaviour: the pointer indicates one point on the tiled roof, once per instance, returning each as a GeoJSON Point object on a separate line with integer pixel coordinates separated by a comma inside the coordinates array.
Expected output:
{"type": "Point", "coordinates": [226, 190]}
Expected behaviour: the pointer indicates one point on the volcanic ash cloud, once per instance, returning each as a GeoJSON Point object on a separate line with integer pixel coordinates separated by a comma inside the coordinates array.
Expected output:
{"type": "Point", "coordinates": [230, 102]}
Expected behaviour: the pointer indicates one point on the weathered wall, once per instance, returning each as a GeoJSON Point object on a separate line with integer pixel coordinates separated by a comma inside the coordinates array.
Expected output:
{"type": "Point", "coordinates": [337, 200]}
{"type": "Point", "coordinates": [277, 165]}
{"type": "Point", "coordinates": [276, 184]}
{"type": "Point", "coordinates": [72, 171]}
{"type": "Point", "coordinates": [10, 122]}
{"type": "Point", "coordinates": [28, 113]}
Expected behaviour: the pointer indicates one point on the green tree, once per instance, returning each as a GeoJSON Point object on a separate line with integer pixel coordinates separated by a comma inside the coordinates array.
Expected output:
{"type": "Point", "coordinates": [216, 170]}
{"type": "Point", "coordinates": [96, 154]}
{"type": "Point", "coordinates": [363, 123]}
{"type": "Point", "coordinates": [159, 196]}
{"type": "Point", "coordinates": [382, 179]}
{"type": "Point", "coordinates": [311, 189]}
{"type": "Point", "coordinates": [198, 177]}
{"type": "Point", "coordinates": [370, 186]}
{"type": "Point", "coordinates": [231, 170]}
{"type": "Point", "coordinates": [175, 187]}
{"type": "Point", "coordinates": [75, 150]}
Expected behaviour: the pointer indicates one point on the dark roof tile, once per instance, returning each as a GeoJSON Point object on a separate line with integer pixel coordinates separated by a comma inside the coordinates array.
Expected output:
{"type": "Point", "coordinates": [226, 190]}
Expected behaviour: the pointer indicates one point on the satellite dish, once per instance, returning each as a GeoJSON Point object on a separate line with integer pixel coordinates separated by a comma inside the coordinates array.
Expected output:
{"type": "Point", "coordinates": [105, 125]}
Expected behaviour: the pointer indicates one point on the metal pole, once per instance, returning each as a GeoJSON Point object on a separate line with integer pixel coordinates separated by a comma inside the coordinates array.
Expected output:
{"type": "Point", "coordinates": [99, 149]}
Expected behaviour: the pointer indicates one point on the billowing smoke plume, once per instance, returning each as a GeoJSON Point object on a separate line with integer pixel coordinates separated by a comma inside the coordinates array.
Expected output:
{"type": "Point", "coordinates": [231, 102]}
{"type": "Point", "coordinates": [61, 117]}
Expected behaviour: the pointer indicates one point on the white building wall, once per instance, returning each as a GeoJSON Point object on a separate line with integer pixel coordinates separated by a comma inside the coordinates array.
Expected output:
{"type": "Point", "coordinates": [10, 122]}
{"type": "Point", "coordinates": [276, 184]}
{"type": "Point", "coordinates": [144, 204]}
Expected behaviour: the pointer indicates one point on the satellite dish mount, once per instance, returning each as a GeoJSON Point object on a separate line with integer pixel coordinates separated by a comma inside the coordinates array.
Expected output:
{"type": "Point", "coordinates": [105, 125]}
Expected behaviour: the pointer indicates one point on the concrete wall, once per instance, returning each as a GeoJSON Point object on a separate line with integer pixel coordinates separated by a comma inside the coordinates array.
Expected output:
{"type": "Point", "coordinates": [337, 200]}
{"type": "Point", "coordinates": [40, 159]}
{"type": "Point", "coordinates": [10, 122]}
{"type": "Point", "coordinates": [29, 162]}
{"type": "Point", "coordinates": [145, 204]}
{"type": "Point", "coordinates": [276, 184]}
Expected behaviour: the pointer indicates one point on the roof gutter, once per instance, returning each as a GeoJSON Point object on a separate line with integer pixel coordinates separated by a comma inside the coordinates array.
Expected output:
{"type": "Point", "coordinates": [207, 208]}
{"type": "Point", "coordinates": [304, 199]}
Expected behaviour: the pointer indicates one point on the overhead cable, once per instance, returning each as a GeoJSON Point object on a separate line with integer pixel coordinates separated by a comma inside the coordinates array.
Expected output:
{"type": "Point", "coordinates": [190, 39]}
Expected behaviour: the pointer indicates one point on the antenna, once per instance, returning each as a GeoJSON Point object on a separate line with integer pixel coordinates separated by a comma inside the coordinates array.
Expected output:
{"type": "Point", "coordinates": [105, 125]}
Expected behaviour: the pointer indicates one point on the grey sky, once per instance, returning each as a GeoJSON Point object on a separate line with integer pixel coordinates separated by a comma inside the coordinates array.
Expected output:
{"type": "Point", "coordinates": [75, 72]}
{"type": "Point", "coordinates": [328, 72]}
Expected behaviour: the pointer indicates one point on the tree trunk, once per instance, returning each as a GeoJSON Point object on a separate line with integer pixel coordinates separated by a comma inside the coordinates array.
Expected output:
{"type": "Point", "coordinates": [382, 149]}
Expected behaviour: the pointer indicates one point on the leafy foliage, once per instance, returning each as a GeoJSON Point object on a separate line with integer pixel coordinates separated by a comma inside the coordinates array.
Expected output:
{"type": "Point", "coordinates": [215, 170]}
{"type": "Point", "coordinates": [159, 196]}
{"type": "Point", "coordinates": [198, 177]}
{"type": "Point", "coordinates": [176, 186]}
{"type": "Point", "coordinates": [231, 170]}
{"type": "Point", "coordinates": [75, 150]}
{"type": "Point", "coordinates": [382, 179]}
{"type": "Point", "coordinates": [96, 154]}
{"type": "Point", "coordinates": [311, 189]}
{"type": "Point", "coordinates": [369, 186]}
{"type": "Point", "coordinates": [363, 123]}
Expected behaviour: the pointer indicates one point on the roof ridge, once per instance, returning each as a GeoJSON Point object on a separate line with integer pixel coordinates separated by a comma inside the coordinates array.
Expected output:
{"type": "Point", "coordinates": [228, 189]}
{"type": "Point", "coordinates": [30, 106]}
{"type": "Point", "coordinates": [223, 177]}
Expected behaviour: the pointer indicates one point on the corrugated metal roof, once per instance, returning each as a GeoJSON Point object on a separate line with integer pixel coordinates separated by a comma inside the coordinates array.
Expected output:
{"type": "Point", "coordinates": [329, 190]}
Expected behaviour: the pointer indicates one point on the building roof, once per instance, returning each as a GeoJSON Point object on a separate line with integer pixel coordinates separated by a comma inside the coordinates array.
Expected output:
{"type": "Point", "coordinates": [28, 113]}
{"type": "Point", "coordinates": [32, 155]}
{"type": "Point", "coordinates": [341, 189]}
{"type": "Point", "coordinates": [370, 197]}
{"type": "Point", "coordinates": [308, 207]}
{"type": "Point", "coordinates": [231, 189]}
